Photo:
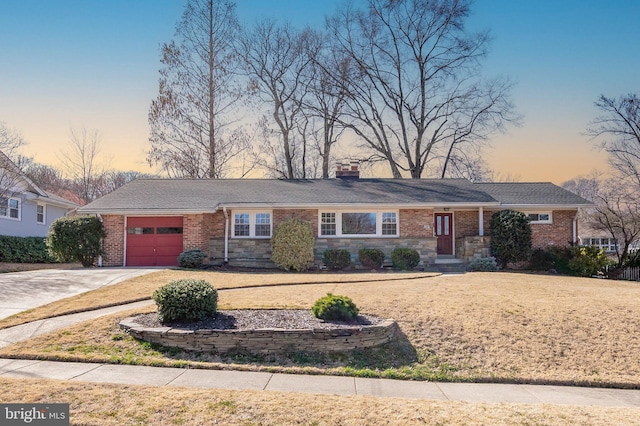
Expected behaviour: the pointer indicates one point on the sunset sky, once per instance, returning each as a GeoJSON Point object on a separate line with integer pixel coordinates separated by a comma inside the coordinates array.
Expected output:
{"type": "Point", "coordinates": [94, 64]}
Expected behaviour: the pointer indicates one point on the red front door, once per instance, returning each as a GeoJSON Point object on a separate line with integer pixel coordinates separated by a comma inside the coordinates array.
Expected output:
{"type": "Point", "coordinates": [154, 241]}
{"type": "Point", "coordinates": [444, 232]}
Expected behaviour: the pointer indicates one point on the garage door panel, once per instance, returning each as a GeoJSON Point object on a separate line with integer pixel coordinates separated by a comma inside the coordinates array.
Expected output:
{"type": "Point", "coordinates": [154, 241]}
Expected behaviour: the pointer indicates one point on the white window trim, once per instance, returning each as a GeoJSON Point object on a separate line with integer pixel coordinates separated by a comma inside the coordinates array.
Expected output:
{"type": "Point", "coordinates": [8, 215]}
{"type": "Point", "coordinates": [44, 214]}
{"type": "Point", "coordinates": [538, 222]}
{"type": "Point", "coordinates": [252, 224]}
{"type": "Point", "coordinates": [378, 233]}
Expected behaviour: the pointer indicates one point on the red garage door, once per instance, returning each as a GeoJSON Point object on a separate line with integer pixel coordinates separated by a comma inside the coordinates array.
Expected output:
{"type": "Point", "coordinates": [154, 241]}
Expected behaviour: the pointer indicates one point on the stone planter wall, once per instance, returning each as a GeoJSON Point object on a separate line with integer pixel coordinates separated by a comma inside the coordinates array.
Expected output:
{"type": "Point", "coordinates": [265, 341]}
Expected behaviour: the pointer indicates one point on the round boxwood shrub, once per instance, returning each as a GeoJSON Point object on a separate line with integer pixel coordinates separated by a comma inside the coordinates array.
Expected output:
{"type": "Point", "coordinates": [191, 259]}
{"type": "Point", "coordinates": [292, 245]}
{"type": "Point", "coordinates": [337, 308]}
{"type": "Point", "coordinates": [186, 300]}
{"type": "Point", "coordinates": [337, 258]}
{"type": "Point", "coordinates": [405, 258]}
{"type": "Point", "coordinates": [371, 258]}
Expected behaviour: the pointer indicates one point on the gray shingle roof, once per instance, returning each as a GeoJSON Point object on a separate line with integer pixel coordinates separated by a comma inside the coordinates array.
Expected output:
{"type": "Point", "coordinates": [187, 195]}
{"type": "Point", "coordinates": [531, 193]}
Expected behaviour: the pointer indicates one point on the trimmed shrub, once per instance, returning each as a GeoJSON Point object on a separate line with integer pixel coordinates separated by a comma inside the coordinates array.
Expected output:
{"type": "Point", "coordinates": [587, 261]}
{"type": "Point", "coordinates": [404, 259]}
{"type": "Point", "coordinates": [337, 308]}
{"type": "Point", "coordinates": [76, 239]}
{"type": "Point", "coordinates": [541, 260]}
{"type": "Point", "coordinates": [371, 258]}
{"type": "Point", "coordinates": [510, 236]}
{"type": "Point", "coordinates": [337, 258]}
{"type": "Point", "coordinates": [191, 259]}
{"type": "Point", "coordinates": [483, 264]}
{"type": "Point", "coordinates": [24, 250]}
{"type": "Point", "coordinates": [292, 245]}
{"type": "Point", "coordinates": [186, 300]}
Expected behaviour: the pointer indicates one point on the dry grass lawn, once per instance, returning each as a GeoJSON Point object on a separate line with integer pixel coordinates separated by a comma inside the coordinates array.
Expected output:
{"type": "Point", "coordinates": [102, 404]}
{"type": "Point", "coordinates": [141, 288]}
{"type": "Point", "coordinates": [503, 327]}
{"type": "Point", "coordinates": [484, 327]}
{"type": "Point", "coordinates": [20, 267]}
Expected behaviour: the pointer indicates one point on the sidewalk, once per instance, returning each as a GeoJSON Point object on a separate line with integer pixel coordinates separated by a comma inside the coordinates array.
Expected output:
{"type": "Point", "coordinates": [334, 385]}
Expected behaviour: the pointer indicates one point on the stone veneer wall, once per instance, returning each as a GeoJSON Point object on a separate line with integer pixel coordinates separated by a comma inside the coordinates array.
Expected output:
{"type": "Point", "coordinates": [425, 246]}
{"type": "Point", "coordinates": [266, 341]}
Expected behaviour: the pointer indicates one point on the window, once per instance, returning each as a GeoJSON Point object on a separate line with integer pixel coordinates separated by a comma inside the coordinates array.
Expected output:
{"type": "Point", "coordinates": [327, 224]}
{"type": "Point", "coordinates": [140, 231]}
{"type": "Point", "coordinates": [358, 224]}
{"type": "Point", "coordinates": [41, 214]}
{"type": "Point", "coordinates": [609, 245]}
{"type": "Point", "coordinates": [252, 224]}
{"type": "Point", "coordinates": [10, 207]}
{"type": "Point", "coordinates": [169, 230]}
{"type": "Point", "coordinates": [539, 217]}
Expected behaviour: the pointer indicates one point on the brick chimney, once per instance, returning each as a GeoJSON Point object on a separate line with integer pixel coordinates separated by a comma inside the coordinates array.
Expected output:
{"type": "Point", "coordinates": [348, 170]}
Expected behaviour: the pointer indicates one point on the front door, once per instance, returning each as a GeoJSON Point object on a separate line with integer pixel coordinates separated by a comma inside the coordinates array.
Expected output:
{"type": "Point", "coordinates": [444, 232]}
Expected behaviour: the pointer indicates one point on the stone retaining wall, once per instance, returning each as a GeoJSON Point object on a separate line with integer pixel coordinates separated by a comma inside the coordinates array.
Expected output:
{"type": "Point", "coordinates": [265, 341]}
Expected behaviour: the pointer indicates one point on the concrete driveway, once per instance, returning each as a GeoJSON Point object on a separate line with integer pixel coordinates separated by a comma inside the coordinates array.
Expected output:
{"type": "Point", "coordinates": [20, 291]}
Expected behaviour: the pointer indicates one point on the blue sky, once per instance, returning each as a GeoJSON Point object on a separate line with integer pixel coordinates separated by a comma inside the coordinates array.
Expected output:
{"type": "Point", "coordinates": [94, 64]}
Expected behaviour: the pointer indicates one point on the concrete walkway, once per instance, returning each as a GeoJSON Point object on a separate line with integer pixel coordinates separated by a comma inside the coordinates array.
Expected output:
{"type": "Point", "coordinates": [238, 380]}
{"type": "Point", "coordinates": [333, 385]}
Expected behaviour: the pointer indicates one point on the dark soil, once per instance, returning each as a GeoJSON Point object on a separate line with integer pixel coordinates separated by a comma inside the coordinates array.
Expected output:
{"type": "Point", "coordinates": [252, 319]}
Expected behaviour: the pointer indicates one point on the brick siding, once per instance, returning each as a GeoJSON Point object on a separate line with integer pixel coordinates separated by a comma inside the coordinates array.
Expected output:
{"type": "Point", "coordinates": [113, 241]}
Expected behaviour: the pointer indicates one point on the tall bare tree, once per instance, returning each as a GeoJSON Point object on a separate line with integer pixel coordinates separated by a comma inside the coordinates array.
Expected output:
{"type": "Point", "coordinates": [416, 96]}
{"type": "Point", "coordinates": [618, 131]}
{"type": "Point", "coordinates": [324, 104]}
{"type": "Point", "coordinates": [198, 93]}
{"type": "Point", "coordinates": [276, 58]}
{"type": "Point", "coordinates": [10, 144]}
{"type": "Point", "coordinates": [84, 164]}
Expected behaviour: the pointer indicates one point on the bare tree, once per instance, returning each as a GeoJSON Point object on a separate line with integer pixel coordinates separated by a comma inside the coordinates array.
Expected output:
{"type": "Point", "coordinates": [618, 130]}
{"type": "Point", "coordinates": [83, 164]}
{"type": "Point", "coordinates": [617, 212]}
{"type": "Point", "coordinates": [10, 144]}
{"type": "Point", "coordinates": [276, 58]}
{"type": "Point", "coordinates": [198, 93]}
{"type": "Point", "coordinates": [327, 94]}
{"type": "Point", "coordinates": [416, 96]}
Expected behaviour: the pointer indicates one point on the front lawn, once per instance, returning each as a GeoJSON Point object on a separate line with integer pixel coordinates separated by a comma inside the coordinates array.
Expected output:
{"type": "Point", "coordinates": [501, 327]}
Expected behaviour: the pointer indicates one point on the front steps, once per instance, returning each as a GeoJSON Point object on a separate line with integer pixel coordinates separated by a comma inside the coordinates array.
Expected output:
{"type": "Point", "coordinates": [446, 265]}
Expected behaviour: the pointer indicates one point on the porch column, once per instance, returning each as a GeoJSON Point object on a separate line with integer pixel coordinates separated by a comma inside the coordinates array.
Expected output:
{"type": "Point", "coordinates": [481, 221]}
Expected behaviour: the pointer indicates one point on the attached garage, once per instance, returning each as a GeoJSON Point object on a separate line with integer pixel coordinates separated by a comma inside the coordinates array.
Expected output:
{"type": "Point", "coordinates": [154, 241]}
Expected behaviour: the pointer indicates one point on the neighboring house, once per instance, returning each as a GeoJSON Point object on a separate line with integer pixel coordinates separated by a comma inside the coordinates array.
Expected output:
{"type": "Point", "coordinates": [25, 209]}
{"type": "Point", "coordinates": [150, 221]}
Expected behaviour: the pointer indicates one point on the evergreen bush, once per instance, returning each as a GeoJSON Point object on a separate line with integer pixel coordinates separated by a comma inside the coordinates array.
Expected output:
{"type": "Point", "coordinates": [76, 239]}
{"type": "Point", "coordinates": [191, 259]}
{"type": "Point", "coordinates": [510, 236]}
{"type": "Point", "coordinates": [186, 300]}
{"type": "Point", "coordinates": [292, 245]}
{"type": "Point", "coordinates": [483, 264]}
{"type": "Point", "coordinates": [24, 250]}
{"type": "Point", "coordinates": [337, 258]}
{"type": "Point", "coordinates": [371, 258]}
{"type": "Point", "coordinates": [337, 308]}
{"type": "Point", "coordinates": [405, 259]}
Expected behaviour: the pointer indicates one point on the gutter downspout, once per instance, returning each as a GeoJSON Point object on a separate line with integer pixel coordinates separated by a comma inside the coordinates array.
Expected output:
{"type": "Point", "coordinates": [101, 242]}
{"type": "Point", "coordinates": [226, 235]}
{"type": "Point", "coordinates": [575, 227]}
